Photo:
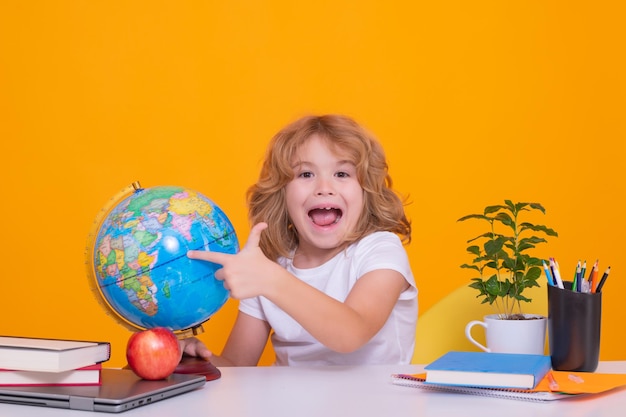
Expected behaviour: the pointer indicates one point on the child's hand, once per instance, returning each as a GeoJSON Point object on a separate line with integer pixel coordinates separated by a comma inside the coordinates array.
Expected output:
{"type": "Point", "coordinates": [246, 274]}
{"type": "Point", "coordinates": [194, 347]}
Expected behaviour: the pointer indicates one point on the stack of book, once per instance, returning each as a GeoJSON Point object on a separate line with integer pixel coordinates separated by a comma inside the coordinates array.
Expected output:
{"type": "Point", "coordinates": [28, 361]}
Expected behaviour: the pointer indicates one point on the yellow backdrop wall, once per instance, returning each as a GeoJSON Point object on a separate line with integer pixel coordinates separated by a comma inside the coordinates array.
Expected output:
{"type": "Point", "coordinates": [474, 102]}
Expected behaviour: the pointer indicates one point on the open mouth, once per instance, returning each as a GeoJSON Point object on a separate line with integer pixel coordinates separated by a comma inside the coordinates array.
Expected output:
{"type": "Point", "coordinates": [325, 216]}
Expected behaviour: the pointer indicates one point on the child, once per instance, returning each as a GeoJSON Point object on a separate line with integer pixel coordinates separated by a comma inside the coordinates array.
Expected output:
{"type": "Point", "coordinates": [324, 267]}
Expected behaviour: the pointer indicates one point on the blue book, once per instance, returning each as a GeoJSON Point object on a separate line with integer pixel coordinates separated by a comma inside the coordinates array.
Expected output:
{"type": "Point", "coordinates": [488, 370]}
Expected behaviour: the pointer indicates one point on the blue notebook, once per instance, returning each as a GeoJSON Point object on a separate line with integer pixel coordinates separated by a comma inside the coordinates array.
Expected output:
{"type": "Point", "coordinates": [488, 370]}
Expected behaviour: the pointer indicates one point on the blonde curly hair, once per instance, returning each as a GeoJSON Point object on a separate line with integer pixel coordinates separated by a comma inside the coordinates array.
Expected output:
{"type": "Point", "coordinates": [383, 208]}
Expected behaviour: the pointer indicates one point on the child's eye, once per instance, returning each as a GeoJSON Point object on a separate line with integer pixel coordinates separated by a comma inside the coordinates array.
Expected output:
{"type": "Point", "coordinates": [305, 174]}
{"type": "Point", "coordinates": [342, 174]}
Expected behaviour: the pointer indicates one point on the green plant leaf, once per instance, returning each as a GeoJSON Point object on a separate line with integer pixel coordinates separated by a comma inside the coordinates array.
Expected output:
{"type": "Point", "coordinates": [510, 263]}
{"type": "Point", "coordinates": [493, 286]}
{"type": "Point", "coordinates": [532, 274]}
{"type": "Point", "coordinates": [474, 250]}
{"type": "Point", "coordinates": [530, 261]}
{"type": "Point", "coordinates": [505, 219]}
{"type": "Point", "coordinates": [484, 235]}
{"type": "Point", "coordinates": [538, 228]}
{"type": "Point", "coordinates": [537, 206]}
{"type": "Point", "coordinates": [532, 240]}
{"type": "Point", "coordinates": [474, 216]}
{"type": "Point", "coordinates": [493, 246]}
{"type": "Point", "coordinates": [492, 264]}
{"type": "Point", "coordinates": [467, 266]}
{"type": "Point", "coordinates": [493, 209]}
{"type": "Point", "coordinates": [479, 285]}
{"type": "Point", "coordinates": [520, 297]}
{"type": "Point", "coordinates": [522, 246]}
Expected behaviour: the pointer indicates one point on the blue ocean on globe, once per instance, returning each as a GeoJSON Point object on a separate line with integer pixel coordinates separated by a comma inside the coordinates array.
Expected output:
{"type": "Point", "coordinates": [140, 258]}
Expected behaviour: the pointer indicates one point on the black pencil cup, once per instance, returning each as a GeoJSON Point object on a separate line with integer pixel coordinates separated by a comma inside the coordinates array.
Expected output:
{"type": "Point", "coordinates": [574, 321]}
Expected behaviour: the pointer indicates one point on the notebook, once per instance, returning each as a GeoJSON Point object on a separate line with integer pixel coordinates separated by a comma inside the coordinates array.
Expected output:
{"type": "Point", "coordinates": [488, 370]}
{"type": "Point", "coordinates": [120, 390]}
{"type": "Point", "coordinates": [556, 385]}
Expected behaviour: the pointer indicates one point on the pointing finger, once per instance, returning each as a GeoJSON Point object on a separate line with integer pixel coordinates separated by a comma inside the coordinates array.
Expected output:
{"type": "Point", "coordinates": [255, 235]}
{"type": "Point", "coordinates": [215, 257]}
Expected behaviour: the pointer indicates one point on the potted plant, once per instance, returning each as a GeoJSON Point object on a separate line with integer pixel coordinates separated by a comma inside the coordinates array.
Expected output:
{"type": "Point", "coordinates": [501, 256]}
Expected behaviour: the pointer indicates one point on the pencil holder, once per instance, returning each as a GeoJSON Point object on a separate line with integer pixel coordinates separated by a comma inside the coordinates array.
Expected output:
{"type": "Point", "coordinates": [574, 320]}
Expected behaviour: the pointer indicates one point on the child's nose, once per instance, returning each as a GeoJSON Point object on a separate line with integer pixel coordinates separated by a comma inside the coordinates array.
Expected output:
{"type": "Point", "coordinates": [325, 187]}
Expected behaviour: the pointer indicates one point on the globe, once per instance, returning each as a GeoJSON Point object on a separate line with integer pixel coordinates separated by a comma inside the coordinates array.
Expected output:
{"type": "Point", "coordinates": [137, 258]}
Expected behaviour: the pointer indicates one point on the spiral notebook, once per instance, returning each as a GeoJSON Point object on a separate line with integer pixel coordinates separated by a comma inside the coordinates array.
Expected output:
{"type": "Point", "coordinates": [556, 385]}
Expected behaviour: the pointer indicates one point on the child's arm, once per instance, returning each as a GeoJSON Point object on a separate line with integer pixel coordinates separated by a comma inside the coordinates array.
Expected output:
{"type": "Point", "coordinates": [246, 342]}
{"type": "Point", "coordinates": [244, 346]}
{"type": "Point", "coordinates": [341, 326]}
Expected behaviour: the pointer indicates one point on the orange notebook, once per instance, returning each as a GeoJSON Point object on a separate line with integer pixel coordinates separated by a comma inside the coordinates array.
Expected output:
{"type": "Point", "coordinates": [556, 385]}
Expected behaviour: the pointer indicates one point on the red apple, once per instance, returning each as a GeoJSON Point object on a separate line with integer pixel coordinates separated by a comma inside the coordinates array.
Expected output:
{"type": "Point", "coordinates": [153, 353]}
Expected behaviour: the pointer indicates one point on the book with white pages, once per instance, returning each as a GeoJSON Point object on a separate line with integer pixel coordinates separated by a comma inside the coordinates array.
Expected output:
{"type": "Point", "coordinates": [50, 355]}
{"type": "Point", "coordinates": [87, 375]}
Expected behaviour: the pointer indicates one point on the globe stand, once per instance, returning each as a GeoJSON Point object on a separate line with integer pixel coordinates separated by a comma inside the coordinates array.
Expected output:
{"type": "Point", "coordinates": [199, 366]}
{"type": "Point", "coordinates": [190, 332]}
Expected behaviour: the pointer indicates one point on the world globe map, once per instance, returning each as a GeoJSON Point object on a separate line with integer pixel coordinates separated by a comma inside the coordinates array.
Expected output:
{"type": "Point", "coordinates": [138, 264]}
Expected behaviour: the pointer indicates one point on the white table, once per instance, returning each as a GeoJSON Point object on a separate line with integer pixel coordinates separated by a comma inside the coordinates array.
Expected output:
{"type": "Point", "coordinates": [342, 392]}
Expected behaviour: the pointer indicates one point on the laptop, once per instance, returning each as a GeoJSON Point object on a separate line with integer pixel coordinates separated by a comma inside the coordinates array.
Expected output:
{"type": "Point", "coordinates": [119, 391]}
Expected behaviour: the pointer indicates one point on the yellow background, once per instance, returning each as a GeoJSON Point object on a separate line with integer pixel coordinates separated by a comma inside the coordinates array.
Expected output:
{"type": "Point", "coordinates": [474, 101]}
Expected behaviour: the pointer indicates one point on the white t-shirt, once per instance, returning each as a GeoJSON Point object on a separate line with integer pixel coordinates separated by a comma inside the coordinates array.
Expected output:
{"type": "Point", "coordinates": [395, 341]}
